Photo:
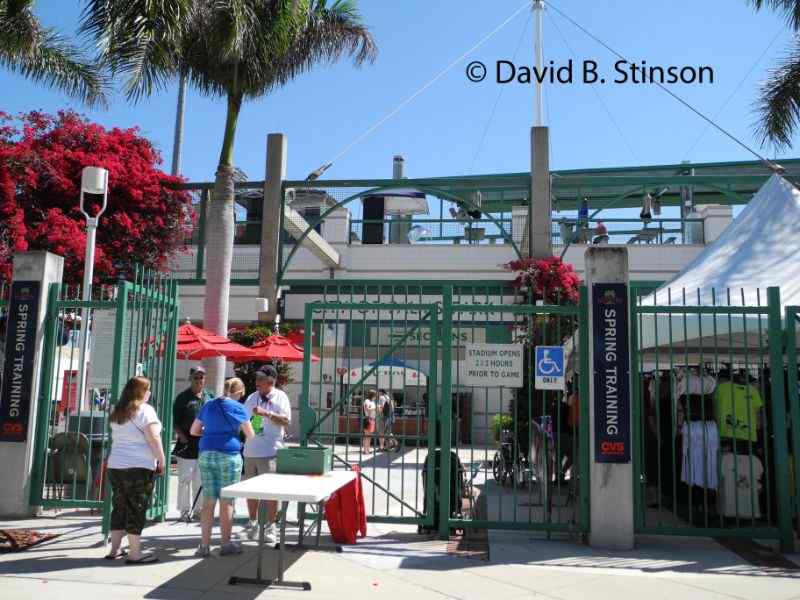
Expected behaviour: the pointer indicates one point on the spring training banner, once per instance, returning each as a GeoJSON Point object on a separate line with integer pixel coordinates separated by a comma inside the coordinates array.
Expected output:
{"type": "Point", "coordinates": [612, 430]}
{"type": "Point", "coordinates": [18, 375]}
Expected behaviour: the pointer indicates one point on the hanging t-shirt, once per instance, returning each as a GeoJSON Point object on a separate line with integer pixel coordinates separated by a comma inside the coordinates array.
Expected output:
{"type": "Point", "coordinates": [737, 410]}
{"type": "Point", "coordinates": [129, 447]}
{"type": "Point", "coordinates": [700, 452]}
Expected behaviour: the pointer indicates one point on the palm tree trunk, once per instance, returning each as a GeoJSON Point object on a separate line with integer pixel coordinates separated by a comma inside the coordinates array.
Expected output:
{"type": "Point", "coordinates": [219, 249]}
{"type": "Point", "coordinates": [177, 143]}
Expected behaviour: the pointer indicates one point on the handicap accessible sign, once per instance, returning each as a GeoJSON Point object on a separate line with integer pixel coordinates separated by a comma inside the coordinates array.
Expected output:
{"type": "Point", "coordinates": [549, 368]}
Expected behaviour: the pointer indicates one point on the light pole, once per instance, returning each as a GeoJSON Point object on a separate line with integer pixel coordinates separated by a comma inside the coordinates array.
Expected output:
{"type": "Point", "coordinates": [94, 180]}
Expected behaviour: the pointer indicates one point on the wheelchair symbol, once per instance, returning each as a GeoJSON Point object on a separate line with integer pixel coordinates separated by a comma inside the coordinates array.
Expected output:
{"type": "Point", "coordinates": [547, 366]}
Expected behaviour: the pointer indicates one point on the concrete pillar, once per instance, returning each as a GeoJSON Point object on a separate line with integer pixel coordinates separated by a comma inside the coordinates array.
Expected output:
{"type": "Point", "coordinates": [611, 483]}
{"type": "Point", "coordinates": [539, 227]}
{"type": "Point", "coordinates": [337, 227]}
{"type": "Point", "coordinates": [271, 224]}
{"type": "Point", "coordinates": [716, 219]}
{"type": "Point", "coordinates": [19, 398]}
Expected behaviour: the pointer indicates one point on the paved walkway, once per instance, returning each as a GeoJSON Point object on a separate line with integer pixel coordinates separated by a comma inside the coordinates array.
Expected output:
{"type": "Point", "coordinates": [393, 562]}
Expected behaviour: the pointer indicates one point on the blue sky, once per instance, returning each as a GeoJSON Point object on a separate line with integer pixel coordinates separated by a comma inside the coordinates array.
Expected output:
{"type": "Point", "coordinates": [440, 132]}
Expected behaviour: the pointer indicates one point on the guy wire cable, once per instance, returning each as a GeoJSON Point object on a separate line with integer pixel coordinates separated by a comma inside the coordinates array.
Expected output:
{"type": "Point", "coordinates": [497, 101]}
{"type": "Point", "coordinates": [771, 165]}
{"type": "Point", "coordinates": [316, 174]}
{"type": "Point", "coordinates": [736, 90]}
{"type": "Point", "coordinates": [594, 89]}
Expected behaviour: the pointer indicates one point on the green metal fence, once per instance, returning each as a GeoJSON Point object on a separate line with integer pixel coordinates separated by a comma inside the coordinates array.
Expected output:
{"type": "Point", "coordinates": [410, 339]}
{"type": "Point", "coordinates": [793, 397]}
{"type": "Point", "coordinates": [710, 428]}
{"type": "Point", "coordinates": [132, 330]}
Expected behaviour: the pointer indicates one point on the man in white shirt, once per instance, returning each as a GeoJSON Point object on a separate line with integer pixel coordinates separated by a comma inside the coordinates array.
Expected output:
{"type": "Point", "coordinates": [274, 413]}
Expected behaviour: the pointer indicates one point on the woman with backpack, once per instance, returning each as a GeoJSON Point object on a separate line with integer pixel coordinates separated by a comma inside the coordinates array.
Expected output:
{"type": "Point", "coordinates": [219, 424]}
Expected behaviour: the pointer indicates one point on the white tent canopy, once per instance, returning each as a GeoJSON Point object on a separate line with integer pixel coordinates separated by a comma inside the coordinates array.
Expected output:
{"type": "Point", "coordinates": [760, 249]}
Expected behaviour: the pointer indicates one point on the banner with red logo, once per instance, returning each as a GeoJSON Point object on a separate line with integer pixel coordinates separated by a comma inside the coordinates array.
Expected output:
{"type": "Point", "coordinates": [611, 366]}
{"type": "Point", "coordinates": [18, 375]}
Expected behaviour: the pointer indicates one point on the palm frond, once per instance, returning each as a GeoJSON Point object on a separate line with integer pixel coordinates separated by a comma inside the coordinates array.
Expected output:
{"type": "Point", "coordinates": [19, 28]}
{"type": "Point", "coordinates": [329, 33]}
{"type": "Point", "coordinates": [779, 101]}
{"type": "Point", "coordinates": [45, 56]}
{"type": "Point", "coordinates": [139, 39]}
{"type": "Point", "coordinates": [790, 9]}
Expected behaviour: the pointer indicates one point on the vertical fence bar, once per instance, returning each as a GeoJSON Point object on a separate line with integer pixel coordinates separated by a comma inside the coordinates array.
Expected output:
{"type": "Point", "coordinates": [779, 418]}
{"type": "Point", "coordinates": [446, 405]}
{"type": "Point", "coordinates": [200, 259]}
{"type": "Point", "coordinates": [583, 398]}
{"type": "Point", "coordinates": [428, 510]}
{"type": "Point", "coordinates": [305, 410]}
{"type": "Point", "coordinates": [38, 476]}
{"type": "Point", "coordinates": [638, 417]}
{"type": "Point", "coordinates": [794, 403]}
{"type": "Point", "coordinates": [170, 355]}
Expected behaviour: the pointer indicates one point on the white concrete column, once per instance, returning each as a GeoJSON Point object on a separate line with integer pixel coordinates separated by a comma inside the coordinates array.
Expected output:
{"type": "Point", "coordinates": [611, 484]}
{"type": "Point", "coordinates": [337, 227]}
{"type": "Point", "coordinates": [716, 219]}
{"type": "Point", "coordinates": [540, 227]}
{"type": "Point", "coordinates": [277, 145]}
{"type": "Point", "coordinates": [19, 398]}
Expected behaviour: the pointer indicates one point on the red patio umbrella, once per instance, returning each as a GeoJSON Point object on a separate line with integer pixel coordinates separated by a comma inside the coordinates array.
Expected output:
{"type": "Point", "coordinates": [195, 343]}
{"type": "Point", "coordinates": [275, 347]}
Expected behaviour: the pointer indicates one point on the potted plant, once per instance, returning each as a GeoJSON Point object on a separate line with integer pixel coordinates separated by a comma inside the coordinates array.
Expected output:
{"type": "Point", "coordinates": [501, 423]}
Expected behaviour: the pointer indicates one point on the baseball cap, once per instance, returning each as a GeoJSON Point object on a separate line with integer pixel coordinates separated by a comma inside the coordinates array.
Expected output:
{"type": "Point", "coordinates": [267, 371]}
{"type": "Point", "coordinates": [194, 370]}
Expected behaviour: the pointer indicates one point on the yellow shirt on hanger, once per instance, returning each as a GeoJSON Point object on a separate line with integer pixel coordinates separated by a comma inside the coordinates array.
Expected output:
{"type": "Point", "coordinates": [737, 410]}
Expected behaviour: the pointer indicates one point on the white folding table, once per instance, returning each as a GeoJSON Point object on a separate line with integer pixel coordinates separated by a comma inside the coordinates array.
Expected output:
{"type": "Point", "coordinates": [279, 487]}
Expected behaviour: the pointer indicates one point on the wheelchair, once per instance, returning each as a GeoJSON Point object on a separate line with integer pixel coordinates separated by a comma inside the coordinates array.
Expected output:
{"type": "Point", "coordinates": [510, 463]}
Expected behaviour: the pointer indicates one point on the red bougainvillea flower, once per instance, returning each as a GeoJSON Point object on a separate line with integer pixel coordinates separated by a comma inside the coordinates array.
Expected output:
{"type": "Point", "coordinates": [41, 159]}
{"type": "Point", "coordinates": [548, 279]}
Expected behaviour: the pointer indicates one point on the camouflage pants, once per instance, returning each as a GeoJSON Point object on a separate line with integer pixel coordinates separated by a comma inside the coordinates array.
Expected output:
{"type": "Point", "coordinates": [132, 489]}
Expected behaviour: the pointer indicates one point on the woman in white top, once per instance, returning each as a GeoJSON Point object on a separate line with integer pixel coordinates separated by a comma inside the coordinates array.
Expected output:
{"type": "Point", "coordinates": [368, 410]}
{"type": "Point", "coordinates": [136, 458]}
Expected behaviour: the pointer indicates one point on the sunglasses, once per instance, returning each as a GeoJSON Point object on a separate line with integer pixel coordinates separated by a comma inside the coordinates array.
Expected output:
{"type": "Point", "coordinates": [198, 377]}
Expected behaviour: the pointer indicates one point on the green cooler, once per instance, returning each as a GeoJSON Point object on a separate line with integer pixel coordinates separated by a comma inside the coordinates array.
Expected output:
{"type": "Point", "coordinates": [304, 461]}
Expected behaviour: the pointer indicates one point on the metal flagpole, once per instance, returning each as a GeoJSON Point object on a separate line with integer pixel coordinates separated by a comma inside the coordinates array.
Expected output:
{"type": "Point", "coordinates": [538, 13]}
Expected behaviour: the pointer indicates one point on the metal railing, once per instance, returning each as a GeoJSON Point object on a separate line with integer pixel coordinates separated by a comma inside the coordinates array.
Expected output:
{"type": "Point", "coordinates": [431, 231]}
{"type": "Point", "coordinates": [628, 231]}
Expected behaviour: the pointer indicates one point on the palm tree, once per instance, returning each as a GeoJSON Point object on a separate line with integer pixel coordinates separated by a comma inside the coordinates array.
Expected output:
{"type": "Point", "coordinates": [233, 49]}
{"type": "Point", "coordinates": [43, 55]}
{"type": "Point", "coordinates": [779, 99]}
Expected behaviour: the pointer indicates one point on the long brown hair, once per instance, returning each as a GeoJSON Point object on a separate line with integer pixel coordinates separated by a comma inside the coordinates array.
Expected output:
{"type": "Point", "coordinates": [131, 399]}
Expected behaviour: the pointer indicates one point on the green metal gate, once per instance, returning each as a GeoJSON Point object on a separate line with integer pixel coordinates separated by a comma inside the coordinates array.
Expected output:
{"type": "Point", "coordinates": [351, 363]}
{"type": "Point", "coordinates": [709, 414]}
{"type": "Point", "coordinates": [132, 329]}
{"type": "Point", "coordinates": [410, 338]}
{"type": "Point", "coordinates": [530, 470]}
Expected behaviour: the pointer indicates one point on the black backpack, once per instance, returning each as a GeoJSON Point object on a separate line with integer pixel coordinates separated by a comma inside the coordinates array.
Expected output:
{"type": "Point", "coordinates": [388, 409]}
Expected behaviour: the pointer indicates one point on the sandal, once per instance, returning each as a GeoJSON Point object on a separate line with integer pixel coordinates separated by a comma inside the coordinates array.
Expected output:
{"type": "Point", "coordinates": [119, 554]}
{"type": "Point", "coordinates": [144, 559]}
